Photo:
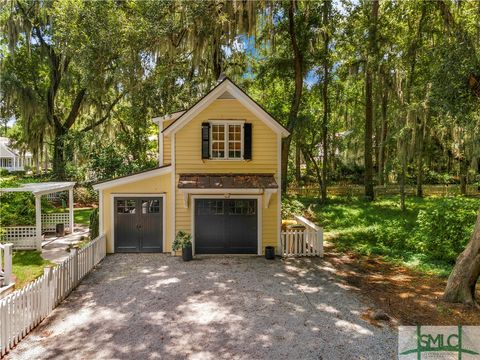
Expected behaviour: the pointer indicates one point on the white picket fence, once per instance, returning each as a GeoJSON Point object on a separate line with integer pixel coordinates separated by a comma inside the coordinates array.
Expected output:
{"type": "Point", "coordinates": [24, 309]}
{"type": "Point", "coordinates": [303, 242]}
{"type": "Point", "coordinates": [50, 221]}
{"type": "Point", "coordinates": [5, 264]}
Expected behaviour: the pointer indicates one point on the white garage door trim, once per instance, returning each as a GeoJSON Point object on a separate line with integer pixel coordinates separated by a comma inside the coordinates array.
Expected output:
{"type": "Point", "coordinates": [259, 215]}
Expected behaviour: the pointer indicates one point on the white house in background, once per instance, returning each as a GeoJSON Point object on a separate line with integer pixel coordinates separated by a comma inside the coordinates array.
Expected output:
{"type": "Point", "coordinates": [13, 160]}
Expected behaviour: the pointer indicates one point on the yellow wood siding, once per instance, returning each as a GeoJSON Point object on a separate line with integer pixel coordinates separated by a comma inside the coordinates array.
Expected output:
{"type": "Point", "coordinates": [264, 160]}
{"type": "Point", "coordinates": [167, 150]}
{"type": "Point", "coordinates": [167, 145]}
{"type": "Point", "coordinates": [156, 185]}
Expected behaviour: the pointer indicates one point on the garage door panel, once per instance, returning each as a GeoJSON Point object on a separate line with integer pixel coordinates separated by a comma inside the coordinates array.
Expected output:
{"type": "Point", "coordinates": [151, 225]}
{"type": "Point", "coordinates": [125, 225]}
{"type": "Point", "coordinates": [209, 226]}
{"type": "Point", "coordinates": [226, 226]}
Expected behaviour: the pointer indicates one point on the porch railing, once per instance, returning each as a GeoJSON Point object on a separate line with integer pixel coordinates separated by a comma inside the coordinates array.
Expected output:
{"type": "Point", "coordinates": [303, 242]}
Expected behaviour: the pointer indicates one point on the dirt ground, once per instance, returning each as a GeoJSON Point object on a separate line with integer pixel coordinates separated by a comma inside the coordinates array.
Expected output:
{"type": "Point", "coordinates": [409, 297]}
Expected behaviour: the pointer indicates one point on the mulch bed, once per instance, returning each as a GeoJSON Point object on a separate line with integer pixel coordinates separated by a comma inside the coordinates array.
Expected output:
{"type": "Point", "coordinates": [409, 297]}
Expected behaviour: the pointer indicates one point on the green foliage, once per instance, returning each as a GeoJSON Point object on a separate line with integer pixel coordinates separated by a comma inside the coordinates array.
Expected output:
{"type": "Point", "coordinates": [182, 240]}
{"type": "Point", "coordinates": [94, 224]}
{"type": "Point", "coordinates": [85, 195]}
{"type": "Point", "coordinates": [429, 235]}
{"type": "Point", "coordinates": [17, 209]}
{"type": "Point", "coordinates": [291, 206]}
{"type": "Point", "coordinates": [443, 230]}
{"type": "Point", "coordinates": [82, 216]}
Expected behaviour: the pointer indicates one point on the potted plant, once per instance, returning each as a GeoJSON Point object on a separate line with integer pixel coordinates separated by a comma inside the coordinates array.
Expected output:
{"type": "Point", "coordinates": [183, 240]}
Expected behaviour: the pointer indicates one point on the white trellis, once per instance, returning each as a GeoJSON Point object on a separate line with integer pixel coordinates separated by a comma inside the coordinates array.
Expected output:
{"type": "Point", "coordinates": [50, 221]}
{"type": "Point", "coordinates": [21, 236]}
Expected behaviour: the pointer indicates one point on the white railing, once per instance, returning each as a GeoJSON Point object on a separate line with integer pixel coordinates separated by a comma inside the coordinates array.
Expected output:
{"type": "Point", "coordinates": [303, 242]}
{"type": "Point", "coordinates": [50, 221]}
{"type": "Point", "coordinates": [5, 264]}
{"type": "Point", "coordinates": [24, 309]}
{"type": "Point", "coordinates": [22, 237]}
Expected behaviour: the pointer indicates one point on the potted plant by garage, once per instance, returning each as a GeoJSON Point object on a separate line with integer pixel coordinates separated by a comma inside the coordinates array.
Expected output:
{"type": "Point", "coordinates": [183, 240]}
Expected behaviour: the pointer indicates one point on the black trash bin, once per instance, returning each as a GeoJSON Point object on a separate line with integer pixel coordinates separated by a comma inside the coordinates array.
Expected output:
{"type": "Point", "coordinates": [60, 230]}
{"type": "Point", "coordinates": [269, 253]}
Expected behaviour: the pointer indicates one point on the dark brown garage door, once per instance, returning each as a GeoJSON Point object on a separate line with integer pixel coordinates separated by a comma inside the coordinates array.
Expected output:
{"type": "Point", "coordinates": [226, 226]}
{"type": "Point", "coordinates": [138, 224]}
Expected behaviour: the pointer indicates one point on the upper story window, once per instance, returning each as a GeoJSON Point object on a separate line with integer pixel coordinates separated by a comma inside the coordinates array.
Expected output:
{"type": "Point", "coordinates": [226, 140]}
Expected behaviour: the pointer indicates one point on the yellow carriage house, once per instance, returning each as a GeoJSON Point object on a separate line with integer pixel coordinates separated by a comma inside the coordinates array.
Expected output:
{"type": "Point", "coordinates": [218, 178]}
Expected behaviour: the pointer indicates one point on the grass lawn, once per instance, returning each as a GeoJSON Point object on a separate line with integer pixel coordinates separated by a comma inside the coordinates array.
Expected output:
{"type": "Point", "coordinates": [428, 236]}
{"type": "Point", "coordinates": [82, 216]}
{"type": "Point", "coordinates": [27, 266]}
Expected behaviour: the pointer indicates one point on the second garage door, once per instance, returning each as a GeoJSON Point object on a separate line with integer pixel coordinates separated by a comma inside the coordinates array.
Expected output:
{"type": "Point", "coordinates": [226, 226]}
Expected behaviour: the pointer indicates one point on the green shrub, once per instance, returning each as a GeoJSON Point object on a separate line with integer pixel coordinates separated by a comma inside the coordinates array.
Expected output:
{"type": "Point", "coordinates": [291, 206]}
{"type": "Point", "coordinates": [94, 228]}
{"type": "Point", "coordinates": [85, 195]}
{"type": "Point", "coordinates": [443, 231]}
{"type": "Point", "coordinates": [182, 240]}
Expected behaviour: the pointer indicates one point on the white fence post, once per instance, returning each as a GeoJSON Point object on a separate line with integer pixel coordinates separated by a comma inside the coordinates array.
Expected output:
{"type": "Point", "coordinates": [6, 263]}
{"type": "Point", "coordinates": [76, 279]}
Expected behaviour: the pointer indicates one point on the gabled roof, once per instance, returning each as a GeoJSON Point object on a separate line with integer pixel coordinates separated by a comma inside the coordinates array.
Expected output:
{"type": "Point", "coordinates": [6, 152]}
{"type": "Point", "coordinates": [233, 91]}
{"type": "Point", "coordinates": [172, 116]}
{"type": "Point", "coordinates": [141, 175]}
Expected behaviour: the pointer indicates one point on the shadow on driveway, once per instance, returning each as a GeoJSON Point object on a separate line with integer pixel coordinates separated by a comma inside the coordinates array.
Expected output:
{"type": "Point", "coordinates": [148, 306]}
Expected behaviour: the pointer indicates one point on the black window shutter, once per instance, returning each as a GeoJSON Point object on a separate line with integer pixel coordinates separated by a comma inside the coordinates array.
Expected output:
{"type": "Point", "coordinates": [205, 141]}
{"type": "Point", "coordinates": [247, 141]}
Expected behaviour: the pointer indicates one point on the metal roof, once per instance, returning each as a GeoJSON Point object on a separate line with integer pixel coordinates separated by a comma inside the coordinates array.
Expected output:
{"type": "Point", "coordinates": [227, 181]}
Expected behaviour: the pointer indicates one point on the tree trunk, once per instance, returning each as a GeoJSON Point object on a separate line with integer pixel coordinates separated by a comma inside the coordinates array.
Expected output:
{"type": "Point", "coordinates": [326, 40]}
{"type": "Point", "coordinates": [421, 136]}
{"type": "Point", "coordinates": [317, 170]}
{"type": "Point", "coordinates": [298, 174]}
{"type": "Point", "coordinates": [292, 118]}
{"type": "Point", "coordinates": [383, 134]}
{"type": "Point", "coordinates": [403, 175]}
{"type": "Point", "coordinates": [285, 152]}
{"type": "Point", "coordinates": [368, 153]}
{"type": "Point", "coordinates": [369, 192]}
{"type": "Point", "coordinates": [463, 176]}
{"type": "Point", "coordinates": [464, 276]}
{"type": "Point", "coordinates": [59, 161]}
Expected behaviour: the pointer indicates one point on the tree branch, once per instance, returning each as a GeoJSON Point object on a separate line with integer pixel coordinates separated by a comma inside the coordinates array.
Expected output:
{"type": "Point", "coordinates": [106, 116]}
{"type": "Point", "coordinates": [72, 116]}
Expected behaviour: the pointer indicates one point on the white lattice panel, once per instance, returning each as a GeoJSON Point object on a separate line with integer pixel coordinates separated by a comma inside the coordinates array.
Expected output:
{"type": "Point", "coordinates": [49, 221]}
{"type": "Point", "coordinates": [22, 237]}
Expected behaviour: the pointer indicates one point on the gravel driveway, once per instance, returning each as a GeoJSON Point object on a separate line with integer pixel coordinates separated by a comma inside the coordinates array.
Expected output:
{"type": "Point", "coordinates": [155, 306]}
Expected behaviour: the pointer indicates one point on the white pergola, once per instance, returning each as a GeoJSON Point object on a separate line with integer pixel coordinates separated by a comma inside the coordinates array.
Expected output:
{"type": "Point", "coordinates": [45, 188]}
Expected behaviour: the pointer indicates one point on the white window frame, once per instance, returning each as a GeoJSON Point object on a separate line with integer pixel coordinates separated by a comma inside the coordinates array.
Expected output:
{"type": "Point", "coordinates": [226, 124]}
